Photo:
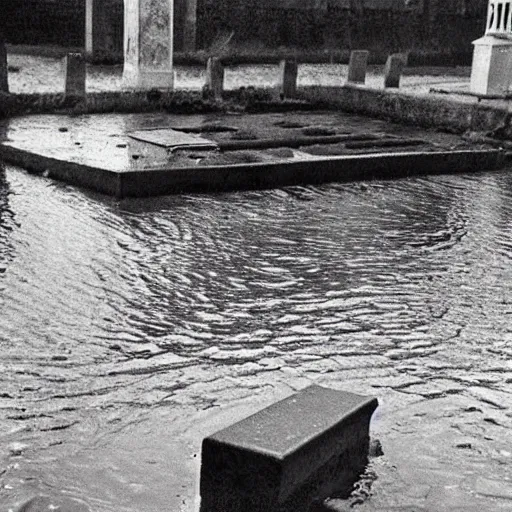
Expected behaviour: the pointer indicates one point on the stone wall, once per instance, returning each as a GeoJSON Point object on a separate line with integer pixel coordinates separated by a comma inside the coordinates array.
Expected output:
{"type": "Point", "coordinates": [388, 25]}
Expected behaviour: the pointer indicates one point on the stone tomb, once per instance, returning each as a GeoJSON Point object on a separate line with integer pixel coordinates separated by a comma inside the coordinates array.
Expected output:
{"type": "Point", "coordinates": [289, 456]}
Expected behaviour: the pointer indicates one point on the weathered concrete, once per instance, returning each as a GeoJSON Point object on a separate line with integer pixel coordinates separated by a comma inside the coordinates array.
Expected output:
{"type": "Point", "coordinates": [357, 66]}
{"type": "Point", "coordinates": [492, 65]}
{"type": "Point", "coordinates": [294, 453]}
{"type": "Point", "coordinates": [416, 110]}
{"type": "Point", "coordinates": [288, 78]}
{"type": "Point", "coordinates": [74, 75]}
{"type": "Point", "coordinates": [148, 44]}
{"type": "Point", "coordinates": [215, 77]}
{"type": "Point", "coordinates": [134, 180]}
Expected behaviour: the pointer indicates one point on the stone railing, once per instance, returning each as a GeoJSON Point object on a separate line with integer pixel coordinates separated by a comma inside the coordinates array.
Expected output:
{"type": "Point", "coordinates": [499, 18]}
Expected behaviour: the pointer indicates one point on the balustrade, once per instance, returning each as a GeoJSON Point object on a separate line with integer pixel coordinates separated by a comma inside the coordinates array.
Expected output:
{"type": "Point", "coordinates": [499, 18]}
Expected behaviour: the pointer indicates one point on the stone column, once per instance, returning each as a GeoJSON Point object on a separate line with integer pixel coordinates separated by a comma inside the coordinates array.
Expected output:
{"type": "Point", "coordinates": [4, 70]}
{"type": "Point", "coordinates": [4, 79]}
{"type": "Point", "coordinates": [491, 72]}
{"type": "Point", "coordinates": [98, 38]}
{"type": "Point", "coordinates": [190, 26]}
{"type": "Point", "coordinates": [148, 48]}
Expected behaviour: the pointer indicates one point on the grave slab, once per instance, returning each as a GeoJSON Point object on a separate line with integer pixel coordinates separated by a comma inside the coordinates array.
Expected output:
{"type": "Point", "coordinates": [357, 66]}
{"type": "Point", "coordinates": [173, 139]}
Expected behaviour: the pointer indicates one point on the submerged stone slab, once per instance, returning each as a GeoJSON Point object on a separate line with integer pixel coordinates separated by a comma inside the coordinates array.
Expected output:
{"type": "Point", "coordinates": [124, 175]}
{"type": "Point", "coordinates": [173, 139]}
{"type": "Point", "coordinates": [54, 504]}
{"type": "Point", "coordinates": [288, 456]}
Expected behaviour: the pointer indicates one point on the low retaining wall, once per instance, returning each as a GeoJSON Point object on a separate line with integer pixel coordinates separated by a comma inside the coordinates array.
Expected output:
{"type": "Point", "coordinates": [427, 111]}
{"type": "Point", "coordinates": [216, 178]}
{"type": "Point", "coordinates": [177, 102]}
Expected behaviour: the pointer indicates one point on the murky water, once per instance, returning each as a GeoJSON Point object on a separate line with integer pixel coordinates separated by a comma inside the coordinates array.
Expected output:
{"type": "Point", "coordinates": [127, 328]}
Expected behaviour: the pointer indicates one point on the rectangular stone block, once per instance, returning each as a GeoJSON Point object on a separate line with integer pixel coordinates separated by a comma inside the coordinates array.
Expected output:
{"type": "Point", "coordinates": [215, 77]}
{"type": "Point", "coordinates": [357, 66]}
{"type": "Point", "coordinates": [75, 74]}
{"type": "Point", "coordinates": [393, 70]}
{"type": "Point", "coordinates": [288, 78]}
{"type": "Point", "coordinates": [288, 456]}
{"type": "Point", "coordinates": [492, 66]}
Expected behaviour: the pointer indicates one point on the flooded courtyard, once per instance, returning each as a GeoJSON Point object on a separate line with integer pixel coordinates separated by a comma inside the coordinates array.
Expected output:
{"type": "Point", "coordinates": [131, 329]}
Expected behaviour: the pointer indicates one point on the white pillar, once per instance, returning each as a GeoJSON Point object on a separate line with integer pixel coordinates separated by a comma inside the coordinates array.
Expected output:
{"type": "Point", "coordinates": [492, 58]}
{"type": "Point", "coordinates": [89, 48]}
{"type": "Point", "coordinates": [148, 33]}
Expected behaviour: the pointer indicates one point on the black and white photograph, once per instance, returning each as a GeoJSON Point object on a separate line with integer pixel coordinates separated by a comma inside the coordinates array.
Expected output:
{"type": "Point", "coordinates": [255, 255]}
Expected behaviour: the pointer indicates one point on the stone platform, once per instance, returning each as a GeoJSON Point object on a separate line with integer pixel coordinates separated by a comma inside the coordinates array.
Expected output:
{"type": "Point", "coordinates": [147, 155]}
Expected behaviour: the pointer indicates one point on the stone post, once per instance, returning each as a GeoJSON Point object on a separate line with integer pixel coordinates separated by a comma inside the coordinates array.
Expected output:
{"type": "Point", "coordinates": [98, 37]}
{"type": "Point", "coordinates": [75, 74]}
{"type": "Point", "coordinates": [393, 70]}
{"type": "Point", "coordinates": [215, 77]}
{"type": "Point", "coordinates": [357, 66]}
{"type": "Point", "coordinates": [491, 72]}
{"type": "Point", "coordinates": [288, 76]}
{"type": "Point", "coordinates": [148, 44]}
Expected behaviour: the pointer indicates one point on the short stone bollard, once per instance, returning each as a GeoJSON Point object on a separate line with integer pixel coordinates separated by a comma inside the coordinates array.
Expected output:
{"type": "Point", "coordinates": [215, 77]}
{"type": "Point", "coordinates": [290, 456]}
{"type": "Point", "coordinates": [357, 66]}
{"type": "Point", "coordinates": [393, 71]}
{"type": "Point", "coordinates": [288, 72]}
{"type": "Point", "coordinates": [75, 74]}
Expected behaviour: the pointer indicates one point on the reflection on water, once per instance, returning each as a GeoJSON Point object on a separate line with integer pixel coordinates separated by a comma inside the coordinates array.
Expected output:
{"type": "Point", "coordinates": [111, 311]}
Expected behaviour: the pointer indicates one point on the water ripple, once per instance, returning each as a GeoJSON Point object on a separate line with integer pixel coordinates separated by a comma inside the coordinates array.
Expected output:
{"type": "Point", "coordinates": [111, 309]}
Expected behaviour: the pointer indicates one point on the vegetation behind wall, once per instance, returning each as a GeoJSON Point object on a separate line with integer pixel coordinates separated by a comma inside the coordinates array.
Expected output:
{"type": "Point", "coordinates": [385, 25]}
